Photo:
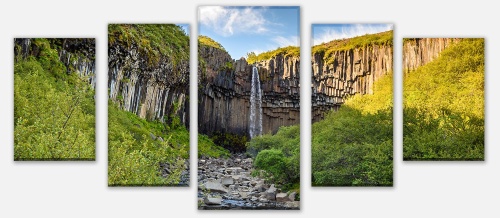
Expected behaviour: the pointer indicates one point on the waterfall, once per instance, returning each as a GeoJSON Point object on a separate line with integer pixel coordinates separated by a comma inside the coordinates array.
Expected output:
{"type": "Point", "coordinates": [255, 127]}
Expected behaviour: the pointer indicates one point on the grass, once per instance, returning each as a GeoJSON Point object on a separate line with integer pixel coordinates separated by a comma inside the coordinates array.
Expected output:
{"type": "Point", "coordinates": [135, 151]}
{"type": "Point", "coordinates": [154, 41]}
{"type": "Point", "coordinates": [359, 42]}
{"type": "Point", "coordinates": [443, 105]}
{"type": "Point", "coordinates": [207, 41]}
{"type": "Point", "coordinates": [53, 108]}
{"type": "Point", "coordinates": [289, 51]}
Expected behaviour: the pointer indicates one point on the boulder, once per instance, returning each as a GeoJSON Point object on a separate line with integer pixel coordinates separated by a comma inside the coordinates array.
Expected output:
{"type": "Point", "coordinates": [244, 195]}
{"type": "Point", "coordinates": [227, 181]}
{"type": "Point", "coordinates": [271, 193]}
{"type": "Point", "coordinates": [215, 186]}
{"type": "Point", "coordinates": [282, 197]}
{"type": "Point", "coordinates": [212, 200]}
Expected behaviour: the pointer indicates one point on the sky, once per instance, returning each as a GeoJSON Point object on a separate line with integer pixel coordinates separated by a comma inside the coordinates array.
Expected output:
{"type": "Point", "coordinates": [328, 32]}
{"type": "Point", "coordinates": [185, 27]}
{"type": "Point", "coordinates": [241, 30]}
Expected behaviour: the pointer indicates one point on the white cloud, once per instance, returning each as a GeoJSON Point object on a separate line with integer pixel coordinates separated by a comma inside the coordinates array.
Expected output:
{"type": "Point", "coordinates": [329, 34]}
{"type": "Point", "coordinates": [230, 21]}
{"type": "Point", "coordinates": [284, 41]}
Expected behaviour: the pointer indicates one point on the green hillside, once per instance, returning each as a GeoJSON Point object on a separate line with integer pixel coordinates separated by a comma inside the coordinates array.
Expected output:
{"type": "Point", "coordinates": [444, 106]}
{"type": "Point", "coordinates": [53, 107]}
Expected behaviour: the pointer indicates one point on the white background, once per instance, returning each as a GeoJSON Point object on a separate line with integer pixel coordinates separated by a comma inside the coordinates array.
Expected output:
{"type": "Point", "coordinates": [79, 189]}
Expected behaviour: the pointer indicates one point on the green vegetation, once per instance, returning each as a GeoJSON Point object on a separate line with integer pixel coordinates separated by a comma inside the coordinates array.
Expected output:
{"type": "Point", "coordinates": [207, 41]}
{"type": "Point", "coordinates": [353, 146]}
{"type": "Point", "coordinates": [53, 109]}
{"type": "Point", "coordinates": [139, 149]}
{"type": "Point", "coordinates": [230, 141]}
{"type": "Point", "coordinates": [152, 40]}
{"type": "Point", "coordinates": [444, 106]}
{"type": "Point", "coordinates": [368, 40]}
{"type": "Point", "coordinates": [277, 157]}
{"type": "Point", "coordinates": [207, 148]}
{"type": "Point", "coordinates": [289, 51]}
{"type": "Point", "coordinates": [136, 150]}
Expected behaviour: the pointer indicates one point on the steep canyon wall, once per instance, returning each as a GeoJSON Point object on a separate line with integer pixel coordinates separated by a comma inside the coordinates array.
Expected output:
{"type": "Point", "coordinates": [344, 73]}
{"type": "Point", "coordinates": [224, 92]}
{"type": "Point", "coordinates": [150, 88]}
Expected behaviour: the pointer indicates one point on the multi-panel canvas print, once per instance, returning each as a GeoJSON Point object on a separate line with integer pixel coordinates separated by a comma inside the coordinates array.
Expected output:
{"type": "Point", "coordinates": [148, 107]}
{"type": "Point", "coordinates": [248, 108]}
{"type": "Point", "coordinates": [443, 99]}
{"type": "Point", "coordinates": [54, 107]}
{"type": "Point", "coordinates": [352, 104]}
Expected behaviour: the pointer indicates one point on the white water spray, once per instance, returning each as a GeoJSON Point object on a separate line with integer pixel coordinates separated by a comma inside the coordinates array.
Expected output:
{"type": "Point", "coordinates": [255, 128]}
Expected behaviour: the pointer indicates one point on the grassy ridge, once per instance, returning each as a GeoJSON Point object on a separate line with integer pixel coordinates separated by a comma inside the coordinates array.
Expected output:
{"type": "Point", "coordinates": [444, 106]}
{"type": "Point", "coordinates": [53, 110]}
{"type": "Point", "coordinates": [207, 41]}
{"type": "Point", "coordinates": [153, 40]}
{"type": "Point", "coordinates": [383, 38]}
{"type": "Point", "coordinates": [292, 51]}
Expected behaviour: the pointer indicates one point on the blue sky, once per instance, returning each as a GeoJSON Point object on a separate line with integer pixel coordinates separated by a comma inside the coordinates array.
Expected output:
{"type": "Point", "coordinates": [185, 27]}
{"type": "Point", "coordinates": [327, 32]}
{"type": "Point", "coordinates": [250, 29]}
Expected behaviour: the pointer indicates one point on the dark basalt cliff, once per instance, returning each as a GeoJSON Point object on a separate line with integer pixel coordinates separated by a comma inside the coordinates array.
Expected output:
{"type": "Point", "coordinates": [224, 92]}
{"type": "Point", "coordinates": [152, 88]}
{"type": "Point", "coordinates": [345, 73]}
{"type": "Point", "coordinates": [77, 55]}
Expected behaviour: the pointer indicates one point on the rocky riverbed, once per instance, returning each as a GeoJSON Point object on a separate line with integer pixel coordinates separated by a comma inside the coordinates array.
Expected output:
{"type": "Point", "coordinates": [226, 183]}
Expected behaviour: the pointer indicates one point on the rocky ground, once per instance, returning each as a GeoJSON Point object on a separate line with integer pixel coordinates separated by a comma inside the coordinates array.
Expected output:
{"type": "Point", "coordinates": [228, 184]}
{"type": "Point", "coordinates": [166, 169]}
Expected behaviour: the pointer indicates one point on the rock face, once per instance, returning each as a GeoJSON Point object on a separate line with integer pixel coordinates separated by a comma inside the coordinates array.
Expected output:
{"type": "Point", "coordinates": [225, 86]}
{"type": "Point", "coordinates": [77, 55]}
{"type": "Point", "coordinates": [420, 51]}
{"type": "Point", "coordinates": [345, 73]}
{"type": "Point", "coordinates": [150, 89]}
{"type": "Point", "coordinates": [228, 184]}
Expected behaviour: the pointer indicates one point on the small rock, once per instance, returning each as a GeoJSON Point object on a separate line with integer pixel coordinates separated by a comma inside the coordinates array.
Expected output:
{"type": "Point", "coordinates": [227, 181]}
{"type": "Point", "coordinates": [263, 200]}
{"type": "Point", "coordinates": [244, 195]}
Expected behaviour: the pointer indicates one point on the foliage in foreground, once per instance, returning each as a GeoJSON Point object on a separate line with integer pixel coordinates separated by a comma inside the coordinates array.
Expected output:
{"type": "Point", "coordinates": [352, 148]}
{"type": "Point", "coordinates": [278, 156]}
{"type": "Point", "coordinates": [135, 150]}
{"type": "Point", "coordinates": [53, 110]}
{"type": "Point", "coordinates": [444, 106]}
